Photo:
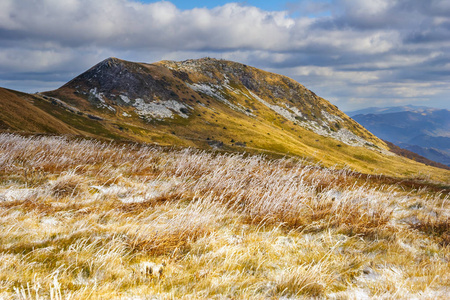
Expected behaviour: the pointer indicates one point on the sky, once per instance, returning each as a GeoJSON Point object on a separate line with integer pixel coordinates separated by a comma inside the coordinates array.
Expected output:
{"type": "Point", "coordinates": [354, 53]}
{"type": "Point", "coordinates": [269, 5]}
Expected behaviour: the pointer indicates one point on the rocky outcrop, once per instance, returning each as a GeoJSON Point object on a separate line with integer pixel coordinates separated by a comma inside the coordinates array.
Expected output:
{"type": "Point", "coordinates": [169, 89]}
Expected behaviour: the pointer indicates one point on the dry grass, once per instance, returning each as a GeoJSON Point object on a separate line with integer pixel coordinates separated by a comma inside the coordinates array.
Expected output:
{"type": "Point", "coordinates": [79, 219]}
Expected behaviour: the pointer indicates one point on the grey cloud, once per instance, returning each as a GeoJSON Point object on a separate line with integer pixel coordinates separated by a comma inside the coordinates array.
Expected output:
{"type": "Point", "coordinates": [123, 24]}
{"type": "Point", "coordinates": [350, 51]}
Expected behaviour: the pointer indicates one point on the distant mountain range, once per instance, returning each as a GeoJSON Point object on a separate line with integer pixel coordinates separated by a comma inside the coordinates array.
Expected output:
{"type": "Point", "coordinates": [423, 130]}
{"type": "Point", "coordinates": [207, 104]}
{"type": "Point", "coordinates": [391, 109]}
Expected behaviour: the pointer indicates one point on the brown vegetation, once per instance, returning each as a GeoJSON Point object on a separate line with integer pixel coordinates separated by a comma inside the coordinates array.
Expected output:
{"type": "Point", "coordinates": [81, 219]}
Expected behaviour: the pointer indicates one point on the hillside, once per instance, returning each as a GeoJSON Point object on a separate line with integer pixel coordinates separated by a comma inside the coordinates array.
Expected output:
{"type": "Point", "coordinates": [425, 131]}
{"type": "Point", "coordinates": [81, 219]}
{"type": "Point", "coordinates": [27, 113]}
{"type": "Point", "coordinates": [20, 112]}
{"type": "Point", "coordinates": [177, 93]}
{"type": "Point", "coordinates": [218, 105]}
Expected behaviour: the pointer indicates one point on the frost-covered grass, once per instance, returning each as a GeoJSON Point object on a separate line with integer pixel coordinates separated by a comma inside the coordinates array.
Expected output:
{"type": "Point", "coordinates": [83, 219]}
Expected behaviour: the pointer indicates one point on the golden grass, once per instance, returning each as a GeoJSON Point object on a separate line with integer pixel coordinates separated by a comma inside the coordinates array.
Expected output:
{"type": "Point", "coordinates": [79, 219]}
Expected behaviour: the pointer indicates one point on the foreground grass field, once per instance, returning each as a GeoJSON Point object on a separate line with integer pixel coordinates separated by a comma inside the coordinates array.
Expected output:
{"type": "Point", "coordinates": [83, 219]}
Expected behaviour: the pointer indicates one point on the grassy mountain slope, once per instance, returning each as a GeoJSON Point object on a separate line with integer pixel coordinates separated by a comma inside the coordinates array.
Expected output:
{"type": "Point", "coordinates": [217, 104]}
{"type": "Point", "coordinates": [19, 112]}
{"type": "Point", "coordinates": [27, 113]}
{"type": "Point", "coordinates": [210, 103]}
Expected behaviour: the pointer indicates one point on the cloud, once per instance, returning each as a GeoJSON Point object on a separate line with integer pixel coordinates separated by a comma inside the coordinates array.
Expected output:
{"type": "Point", "coordinates": [160, 25]}
{"type": "Point", "coordinates": [343, 49]}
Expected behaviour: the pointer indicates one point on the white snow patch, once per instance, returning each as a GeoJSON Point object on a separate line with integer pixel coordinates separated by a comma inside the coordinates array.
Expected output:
{"type": "Point", "coordinates": [175, 106]}
{"type": "Point", "coordinates": [407, 247]}
{"type": "Point", "coordinates": [97, 95]}
{"type": "Point", "coordinates": [111, 190]}
{"type": "Point", "coordinates": [160, 109]}
{"type": "Point", "coordinates": [137, 193]}
{"type": "Point", "coordinates": [330, 118]}
{"type": "Point", "coordinates": [288, 114]}
{"type": "Point", "coordinates": [14, 194]}
{"type": "Point", "coordinates": [100, 97]}
{"type": "Point", "coordinates": [48, 221]}
{"type": "Point", "coordinates": [210, 90]}
{"type": "Point", "coordinates": [294, 109]}
{"type": "Point", "coordinates": [125, 114]}
{"type": "Point", "coordinates": [125, 98]}
{"type": "Point", "coordinates": [346, 136]}
{"type": "Point", "coordinates": [110, 108]}
{"type": "Point", "coordinates": [214, 91]}
{"type": "Point", "coordinates": [292, 113]}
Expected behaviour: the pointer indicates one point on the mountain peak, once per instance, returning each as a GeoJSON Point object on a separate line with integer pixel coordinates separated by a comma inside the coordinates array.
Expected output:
{"type": "Point", "coordinates": [207, 63]}
{"type": "Point", "coordinates": [197, 91]}
{"type": "Point", "coordinates": [202, 60]}
{"type": "Point", "coordinates": [110, 62]}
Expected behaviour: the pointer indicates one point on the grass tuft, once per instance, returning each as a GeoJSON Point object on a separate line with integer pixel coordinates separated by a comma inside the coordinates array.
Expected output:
{"type": "Point", "coordinates": [312, 281]}
{"type": "Point", "coordinates": [69, 185]}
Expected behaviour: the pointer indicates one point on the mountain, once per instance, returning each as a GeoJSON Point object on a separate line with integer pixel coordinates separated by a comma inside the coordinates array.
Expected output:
{"type": "Point", "coordinates": [179, 91]}
{"type": "Point", "coordinates": [214, 104]}
{"type": "Point", "coordinates": [425, 131]}
{"type": "Point", "coordinates": [419, 155]}
{"type": "Point", "coordinates": [391, 109]}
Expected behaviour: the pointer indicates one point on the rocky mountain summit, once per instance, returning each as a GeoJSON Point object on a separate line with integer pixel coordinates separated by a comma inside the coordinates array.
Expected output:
{"type": "Point", "coordinates": [227, 81]}
{"type": "Point", "coordinates": [170, 90]}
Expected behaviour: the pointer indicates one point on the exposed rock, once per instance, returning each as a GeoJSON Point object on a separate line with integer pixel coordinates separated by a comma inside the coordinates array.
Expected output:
{"type": "Point", "coordinates": [215, 144]}
{"type": "Point", "coordinates": [169, 89]}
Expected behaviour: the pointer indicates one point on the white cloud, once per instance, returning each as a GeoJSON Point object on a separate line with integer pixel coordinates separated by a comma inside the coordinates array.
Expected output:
{"type": "Point", "coordinates": [121, 23]}
{"type": "Point", "coordinates": [356, 48]}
